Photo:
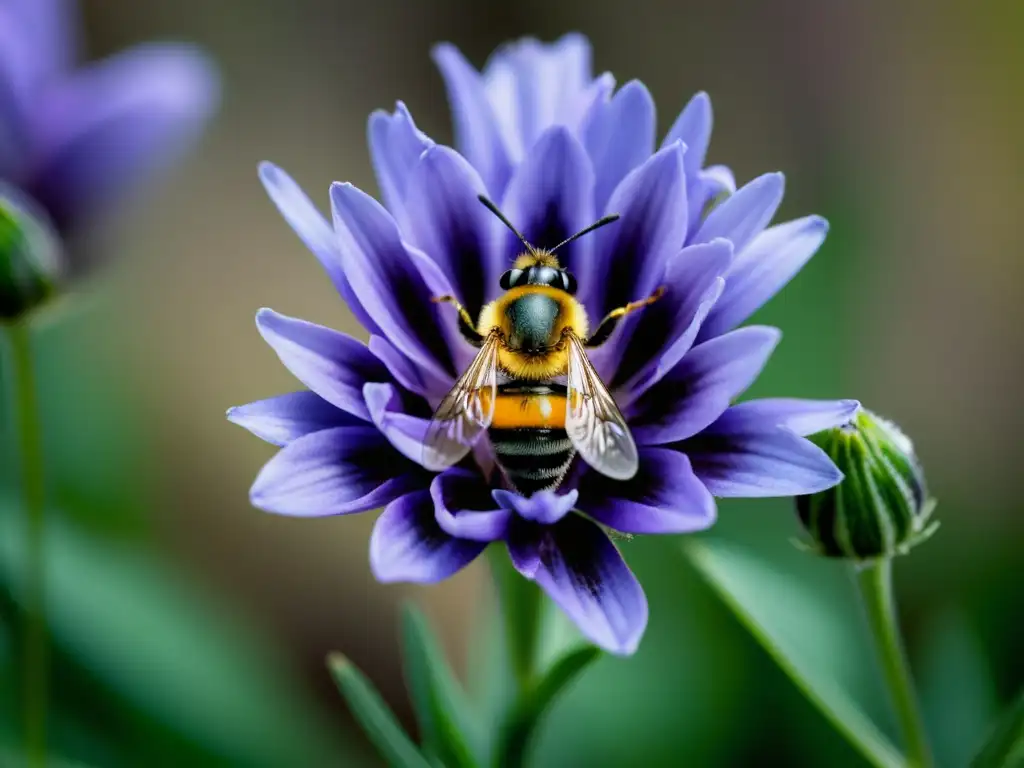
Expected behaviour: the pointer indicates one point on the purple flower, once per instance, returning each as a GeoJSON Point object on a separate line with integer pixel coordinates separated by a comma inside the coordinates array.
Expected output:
{"type": "Point", "coordinates": [76, 140]}
{"type": "Point", "coordinates": [556, 149]}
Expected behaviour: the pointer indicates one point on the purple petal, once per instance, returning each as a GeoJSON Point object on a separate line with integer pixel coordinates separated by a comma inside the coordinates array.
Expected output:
{"type": "Point", "coordinates": [401, 369]}
{"type": "Point", "coordinates": [333, 365]}
{"type": "Point", "coordinates": [408, 545]}
{"type": "Point", "coordinates": [691, 274]}
{"type": "Point", "coordinates": [664, 496]}
{"type": "Point", "coordinates": [804, 417]}
{"type": "Point", "coordinates": [388, 281]}
{"type": "Point", "coordinates": [445, 219]}
{"type": "Point", "coordinates": [388, 410]}
{"type": "Point", "coordinates": [619, 137]}
{"type": "Point", "coordinates": [763, 268]}
{"type": "Point", "coordinates": [464, 508]}
{"type": "Point", "coordinates": [545, 507]}
{"type": "Point", "coordinates": [334, 472]}
{"type": "Point", "coordinates": [582, 571]}
{"type": "Point", "coordinates": [477, 134]}
{"type": "Point", "coordinates": [550, 198]}
{"type": "Point", "coordinates": [743, 215]}
{"type": "Point", "coordinates": [739, 457]}
{"type": "Point", "coordinates": [49, 28]}
{"type": "Point", "coordinates": [396, 145]}
{"type": "Point", "coordinates": [105, 128]}
{"type": "Point", "coordinates": [285, 418]}
{"type": "Point", "coordinates": [705, 187]}
{"type": "Point", "coordinates": [701, 386]}
{"type": "Point", "coordinates": [631, 254]}
{"type": "Point", "coordinates": [693, 128]}
{"type": "Point", "coordinates": [314, 230]}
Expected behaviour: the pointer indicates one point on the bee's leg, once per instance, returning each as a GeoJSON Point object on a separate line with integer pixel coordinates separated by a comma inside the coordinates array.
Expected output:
{"type": "Point", "coordinates": [466, 326]}
{"type": "Point", "coordinates": [606, 326]}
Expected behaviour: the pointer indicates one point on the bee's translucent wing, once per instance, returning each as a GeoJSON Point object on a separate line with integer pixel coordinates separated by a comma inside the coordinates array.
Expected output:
{"type": "Point", "coordinates": [593, 420]}
{"type": "Point", "coordinates": [466, 411]}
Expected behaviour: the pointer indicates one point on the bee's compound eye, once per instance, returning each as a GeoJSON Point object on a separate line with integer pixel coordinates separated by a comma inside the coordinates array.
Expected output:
{"type": "Point", "coordinates": [568, 283]}
{"type": "Point", "coordinates": [510, 278]}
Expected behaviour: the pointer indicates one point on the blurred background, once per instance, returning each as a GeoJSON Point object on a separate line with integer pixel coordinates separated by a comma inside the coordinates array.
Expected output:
{"type": "Point", "coordinates": [191, 629]}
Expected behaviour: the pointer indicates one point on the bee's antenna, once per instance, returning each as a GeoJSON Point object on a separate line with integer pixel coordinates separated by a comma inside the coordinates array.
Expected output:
{"type": "Point", "coordinates": [494, 209]}
{"type": "Point", "coordinates": [596, 225]}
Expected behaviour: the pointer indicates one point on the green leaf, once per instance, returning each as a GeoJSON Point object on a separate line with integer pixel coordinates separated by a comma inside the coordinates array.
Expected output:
{"type": "Point", "coordinates": [374, 716]}
{"type": "Point", "coordinates": [1004, 747]}
{"type": "Point", "coordinates": [802, 632]}
{"type": "Point", "coordinates": [440, 703]}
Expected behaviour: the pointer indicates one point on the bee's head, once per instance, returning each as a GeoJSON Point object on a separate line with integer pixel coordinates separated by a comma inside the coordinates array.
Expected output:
{"type": "Point", "coordinates": [538, 268]}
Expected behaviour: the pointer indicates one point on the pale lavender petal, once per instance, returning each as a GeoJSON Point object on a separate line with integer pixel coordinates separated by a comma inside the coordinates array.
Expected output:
{"type": "Point", "coordinates": [477, 133]}
{"type": "Point", "coordinates": [388, 281]}
{"type": "Point", "coordinates": [545, 507]}
{"type": "Point", "coordinates": [550, 198]}
{"type": "Point", "coordinates": [444, 218]}
{"type": "Point", "coordinates": [396, 418]}
{"type": "Point", "coordinates": [408, 545]}
{"type": "Point", "coordinates": [582, 571]}
{"type": "Point", "coordinates": [804, 417]}
{"type": "Point", "coordinates": [693, 128]}
{"type": "Point", "coordinates": [315, 231]}
{"type": "Point", "coordinates": [464, 508]}
{"type": "Point", "coordinates": [743, 215]}
{"type": "Point", "coordinates": [50, 29]}
{"type": "Point", "coordinates": [689, 277]}
{"type": "Point", "coordinates": [737, 456]}
{"type": "Point", "coordinates": [334, 472]}
{"type": "Point", "coordinates": [706, 187]}
{"type": "Point", "coordinates": [103, 129]}
{"type": "Point", "coordinates": [664, 496]}
{"type": "Point", "coordinates": [285, 418]}
{"type": "Point", "coordinates": [330, 363]}
{"type": "Point", "coordinates": [619, 137]}
{"type": "Point", "coordinates": [700, 387]}
{"type": "Point", "coordinates": [763, 268]}
{"type": "Point", "coordinates": [396, 145]}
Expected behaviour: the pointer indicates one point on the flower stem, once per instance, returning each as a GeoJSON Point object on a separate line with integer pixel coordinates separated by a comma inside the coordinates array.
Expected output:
{"type": "Point", "coordinates": [875, 583]}
{"type": "Point", "coordinates": [33, 488]}
{"type": "Point", "coordinates": [521, 603]}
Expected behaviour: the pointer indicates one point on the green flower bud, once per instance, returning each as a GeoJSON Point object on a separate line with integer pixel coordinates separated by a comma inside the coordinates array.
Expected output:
{"type": "Point", "coordinates": [30, 261]}
{"type": "Point", "coordinates": [882, 507]}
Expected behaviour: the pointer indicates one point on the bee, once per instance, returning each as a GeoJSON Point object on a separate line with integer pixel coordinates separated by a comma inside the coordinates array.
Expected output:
{"type": "Point", "coordinates": [534, 337]}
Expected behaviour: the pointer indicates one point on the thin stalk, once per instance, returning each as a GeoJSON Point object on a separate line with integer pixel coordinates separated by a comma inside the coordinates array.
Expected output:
{"type": "Point", "coordinates": [875, 583]}
{"type": "Point", "coordinates": [33, 488]}
{"type": "Point", "coordinates": [520, 602]}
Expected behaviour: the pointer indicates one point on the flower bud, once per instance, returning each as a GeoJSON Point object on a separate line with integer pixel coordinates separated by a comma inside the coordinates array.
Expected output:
{"type": "Point", "coordinates": [882, 507]}
{"type": "Point", "coordinates": [30, 261]}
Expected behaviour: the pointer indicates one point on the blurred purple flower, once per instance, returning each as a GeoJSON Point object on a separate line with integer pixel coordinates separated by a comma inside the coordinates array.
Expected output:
{"type": "Point", "coordinates": [556, 149]}
{"type": "Point", "coordinates": [76, 140]}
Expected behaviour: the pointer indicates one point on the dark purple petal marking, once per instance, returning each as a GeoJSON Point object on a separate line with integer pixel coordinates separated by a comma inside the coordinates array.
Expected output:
{"type": "Point", "coordinates": [333, 365]}
{"type": "Point", "coordinates": [390, 413]}
{"type": "Point", "coordinates": [739, 457]}
{"type": "Point", "coordinates": [443, 217]}
{"type": "Point", "coordinates": [464, 508]}
{"type": "Point", "coordinates": [335, 472]}
{"type": "Point", "coordinates": [693, 128]}
{"type": "Point", "coordinates": [804, 417]}
{"type": "Point", "coordinates": [700, 387]}
{"type": "Point", "coordinates": [388, 281]}
{"type": "Point", "coordinates": [550, 198]}
{"type": "Point", "coordinates": [396, 145]}
{"type": "Point", "coordinates": [408, 545]}
{"type": "Point", "coordinates": [477, 133]}
{"type": "Point", "coordinates": [763, 268]}
{"type": "Point", "coordinates": [544, 507]}
{"type": "Point", "coordinates": [619, 136]}
{"type": "Point", "coordinates": [285, 418]}
{"type": "Point", "coordinates": [582, 571]}
{"type": "Point", "coordinates": [665, 496]}
{"type": "Point", "coordinates": [103, 129]}
{"type": "Point", "coordinates": [743, 215]}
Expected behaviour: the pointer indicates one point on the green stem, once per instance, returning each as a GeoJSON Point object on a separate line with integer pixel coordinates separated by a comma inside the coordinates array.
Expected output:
{"type": "Point", "coordinates": [875, 583]}
{"type": "Point", "coordinates": [33, 488]}
{"type": "Point", "coordinates": [521, 602]}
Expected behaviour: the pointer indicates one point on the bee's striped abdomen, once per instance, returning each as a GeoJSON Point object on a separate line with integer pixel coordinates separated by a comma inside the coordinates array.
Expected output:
{"type": "Point", "coordinates": [529, 438]}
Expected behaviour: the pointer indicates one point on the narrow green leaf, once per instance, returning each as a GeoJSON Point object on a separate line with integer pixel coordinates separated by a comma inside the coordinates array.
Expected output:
{"type": "Point", "coordinates": [1004, 747]}
{"type": "Point", "coordinates": [801, 632]}
{"type": "Point", "coordinates": [373, 714]}
{"type": "Point", "coordinates": [439, 701]}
